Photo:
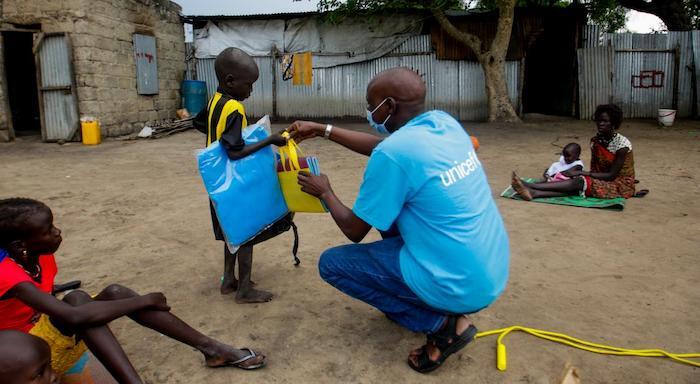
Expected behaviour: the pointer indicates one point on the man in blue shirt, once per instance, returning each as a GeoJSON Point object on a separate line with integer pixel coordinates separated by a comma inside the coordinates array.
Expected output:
{"type": "Point", "coordinates": [445, 251]}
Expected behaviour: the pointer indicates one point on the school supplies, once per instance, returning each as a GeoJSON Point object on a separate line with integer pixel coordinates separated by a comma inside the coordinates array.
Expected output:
{"type": "Point", "coordinates": [292, 161]}
{"type": "Point", "coordinates": [245, 193]}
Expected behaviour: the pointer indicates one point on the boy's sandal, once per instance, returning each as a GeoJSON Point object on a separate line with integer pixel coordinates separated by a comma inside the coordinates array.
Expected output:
{"type": "Point", "coordinates": [641, 193]}
{"type": "Point", "coordinates": [238, 363]}
{"type": "Point", "coordinates": [447, 341]}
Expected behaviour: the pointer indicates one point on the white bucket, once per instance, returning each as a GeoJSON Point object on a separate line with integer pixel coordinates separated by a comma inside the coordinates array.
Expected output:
{"type": "Point", "coordinates": [666, 117]}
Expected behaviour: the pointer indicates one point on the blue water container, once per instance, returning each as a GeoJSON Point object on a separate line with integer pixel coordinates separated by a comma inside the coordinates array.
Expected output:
{"type": "Point", "coordinates": [194, 95]}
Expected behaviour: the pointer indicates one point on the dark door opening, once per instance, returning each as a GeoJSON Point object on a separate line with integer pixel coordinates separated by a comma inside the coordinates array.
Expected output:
{"type": "Point", "coordinates": [20, 73]}
{"type": "Point", "coordinates": [550, 69]}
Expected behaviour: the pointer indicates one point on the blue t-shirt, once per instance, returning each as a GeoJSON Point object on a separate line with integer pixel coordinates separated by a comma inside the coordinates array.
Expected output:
{"type": "Point", "coordinates": [426, 178]}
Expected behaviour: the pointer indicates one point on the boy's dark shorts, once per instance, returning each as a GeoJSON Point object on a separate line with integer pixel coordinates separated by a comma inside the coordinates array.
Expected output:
{"type": "Point", "coordinates": [218, 232]}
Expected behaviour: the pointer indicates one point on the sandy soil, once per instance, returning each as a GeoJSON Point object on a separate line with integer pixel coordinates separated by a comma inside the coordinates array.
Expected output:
{"type": "Point", "coordinates": [136, 213]}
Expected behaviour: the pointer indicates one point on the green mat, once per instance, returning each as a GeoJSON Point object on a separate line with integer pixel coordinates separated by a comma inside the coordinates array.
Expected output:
{"type": "Point", "coordinates": [617, 204]}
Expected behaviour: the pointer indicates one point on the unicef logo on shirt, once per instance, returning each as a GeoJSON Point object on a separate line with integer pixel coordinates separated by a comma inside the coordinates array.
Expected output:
{"type": "Point", "coordinates": [460, 170]}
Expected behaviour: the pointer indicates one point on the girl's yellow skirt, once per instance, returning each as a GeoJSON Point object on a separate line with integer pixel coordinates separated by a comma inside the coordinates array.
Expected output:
{"type": "Point", "coordinates": [65, 351]}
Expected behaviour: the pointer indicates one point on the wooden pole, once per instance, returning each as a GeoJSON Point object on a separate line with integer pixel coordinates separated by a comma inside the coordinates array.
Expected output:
{"type": "Point", "coordinates": [274, 81]}
{"type": "Point", "coordinates": [676, 75]}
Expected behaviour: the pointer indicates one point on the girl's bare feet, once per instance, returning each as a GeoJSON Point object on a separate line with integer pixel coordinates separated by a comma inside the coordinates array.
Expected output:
{"type": "Point", "coordinates": [225, 355]}
{"type": "Point", "coordinates": [519, 187]}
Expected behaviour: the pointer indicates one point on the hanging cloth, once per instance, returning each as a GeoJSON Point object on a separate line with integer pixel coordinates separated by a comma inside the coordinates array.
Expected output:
{"type": "Point", "coordinates": [302, 67]}
{"type": "Point", "coordinates": [287, 66]}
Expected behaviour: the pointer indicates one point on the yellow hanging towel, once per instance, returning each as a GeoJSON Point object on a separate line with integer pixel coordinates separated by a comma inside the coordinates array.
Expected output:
{"type": "Point", "coordinates": [302, 66]}
{"type": "Point", "coordinates": [288, 170]}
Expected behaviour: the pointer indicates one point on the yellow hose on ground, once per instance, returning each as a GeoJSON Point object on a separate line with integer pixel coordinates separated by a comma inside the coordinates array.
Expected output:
{"type": "Point", "coordinates": [580, 344]}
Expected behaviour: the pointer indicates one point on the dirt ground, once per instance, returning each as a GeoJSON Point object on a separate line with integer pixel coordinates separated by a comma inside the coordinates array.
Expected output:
{"type": "Point", "coordinates": [135, 213]}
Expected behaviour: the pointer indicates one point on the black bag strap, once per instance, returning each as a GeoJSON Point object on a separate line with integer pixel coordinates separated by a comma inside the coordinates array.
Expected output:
{"type": "Point", "coordinates": [279, 227]}
{"type": "Point", "coordinates": [295, 247]}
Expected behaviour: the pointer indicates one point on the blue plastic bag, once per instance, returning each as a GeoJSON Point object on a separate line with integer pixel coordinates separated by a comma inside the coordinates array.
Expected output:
{"type": "Point", "coordinates": [246, 193]}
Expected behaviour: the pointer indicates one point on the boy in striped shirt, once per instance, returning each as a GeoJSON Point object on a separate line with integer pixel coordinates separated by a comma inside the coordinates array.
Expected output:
{"type": "Point", "coordinates": [223, 120]}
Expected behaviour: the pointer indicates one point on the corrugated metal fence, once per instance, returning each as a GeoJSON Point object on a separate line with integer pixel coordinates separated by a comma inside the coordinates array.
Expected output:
{"type": "Point", "coordinates": [639, 72]}
{"type": "Point", "coordinates": [457, 87]}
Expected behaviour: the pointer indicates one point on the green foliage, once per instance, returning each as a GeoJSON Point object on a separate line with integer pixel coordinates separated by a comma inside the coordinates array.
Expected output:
{"type": "Point", "coordinates": [693, 8]}
{"type": "Point", "coordinates": [336, 10]}
{"type": "Point", "coordinates": [385, 5]}
{"type": "Point", "coordinates": [491, 4]}
{"type": "Point", "coordinates": [607, 14]}
{"type": "Point", "coordinates": [611, 15]}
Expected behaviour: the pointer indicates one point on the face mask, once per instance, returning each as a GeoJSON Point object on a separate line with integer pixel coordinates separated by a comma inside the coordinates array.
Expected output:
{"type": "Point", "coordinates": [380, 128]}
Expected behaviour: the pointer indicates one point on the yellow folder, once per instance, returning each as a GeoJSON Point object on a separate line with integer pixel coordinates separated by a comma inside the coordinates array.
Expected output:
{"type": "Point", "coordinates": [296, 199]}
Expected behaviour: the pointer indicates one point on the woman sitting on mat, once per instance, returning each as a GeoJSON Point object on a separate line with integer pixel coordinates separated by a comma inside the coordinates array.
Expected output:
{"type": "Point", "coordinates": [612, 165]}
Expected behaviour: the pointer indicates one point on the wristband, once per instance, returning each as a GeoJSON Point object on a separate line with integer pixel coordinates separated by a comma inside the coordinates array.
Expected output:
{"type": "Point", "coordinates": [327, 134]}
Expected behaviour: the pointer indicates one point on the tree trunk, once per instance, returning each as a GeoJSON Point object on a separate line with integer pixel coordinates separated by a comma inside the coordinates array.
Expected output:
{"type": "Point", "coordinates": [671, 12]}
{"type": "Point", "coordinates": [493, 63]}
{"type": "Point", "coordinates": [499, 105]}
{"type": "Point", "coordinates": [492, 60]}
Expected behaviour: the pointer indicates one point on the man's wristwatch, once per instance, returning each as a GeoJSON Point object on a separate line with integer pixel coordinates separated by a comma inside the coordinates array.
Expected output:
{"type": "Point", "coordinates": [329, 128]}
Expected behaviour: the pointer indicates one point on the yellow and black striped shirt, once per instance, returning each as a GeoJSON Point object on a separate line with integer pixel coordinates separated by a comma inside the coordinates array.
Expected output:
{"type": "Point", "coordinates": [224, 117]}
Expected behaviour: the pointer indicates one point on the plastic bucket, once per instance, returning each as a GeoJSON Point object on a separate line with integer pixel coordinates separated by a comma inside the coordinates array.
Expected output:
{"type": "Point", "coordinates": [666, 117]}
{"type": "Point", "coordinates": [194, 95]}
{"type": "Point", "coordinates": [90, 130]}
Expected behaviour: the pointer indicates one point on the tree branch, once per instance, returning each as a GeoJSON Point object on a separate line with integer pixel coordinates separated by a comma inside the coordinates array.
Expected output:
{"type": "Point", "coordinates": [672, 12]}
{"type": "Point", "coordinates": [638, 5]}
{"type": "Point", "coordinates": [504, 28]}
{"type": "Point", "coordinates": [465, 38]}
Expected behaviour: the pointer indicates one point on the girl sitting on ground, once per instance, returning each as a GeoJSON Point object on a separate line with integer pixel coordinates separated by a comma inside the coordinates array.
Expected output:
{"type": "Point", "coordinates": [612, 165]}
{"type": "Point", "coordinates": [28, 240]}
{"type": "Point", "coordinates": [568, 161]}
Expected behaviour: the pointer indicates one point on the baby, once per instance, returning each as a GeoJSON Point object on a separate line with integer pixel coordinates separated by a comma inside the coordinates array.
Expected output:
{"type": "Point", "coordinates": [569, 161]}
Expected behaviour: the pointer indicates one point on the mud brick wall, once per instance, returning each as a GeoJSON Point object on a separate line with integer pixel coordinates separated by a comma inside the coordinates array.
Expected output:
{"type": "Point", "coordinates": [101, 33]}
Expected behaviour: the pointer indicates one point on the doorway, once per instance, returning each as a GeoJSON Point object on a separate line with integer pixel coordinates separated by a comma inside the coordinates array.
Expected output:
{"type": "Point", "coordinates": [20, 74]}
{"type": "Point", "coordinates": [550, 69]}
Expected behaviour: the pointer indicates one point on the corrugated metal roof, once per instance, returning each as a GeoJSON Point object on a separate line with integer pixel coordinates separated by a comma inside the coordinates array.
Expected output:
{"type": "Point", "coordinates": [250, 16]}
{"type": "Point", "coordinates": [241, 8]}
{"type": "Point", "coordinates": [272, 15]}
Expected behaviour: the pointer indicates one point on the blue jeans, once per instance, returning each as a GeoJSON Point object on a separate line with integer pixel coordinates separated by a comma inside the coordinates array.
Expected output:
{"type": "Point", "coordinates": [371, 273]}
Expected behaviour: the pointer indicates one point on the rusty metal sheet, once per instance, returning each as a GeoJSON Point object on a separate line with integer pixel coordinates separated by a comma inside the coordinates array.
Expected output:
{"type": "Point", "coordinates": [59, 110]}
{"type": "Point", "coordinates": [146, 64]}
